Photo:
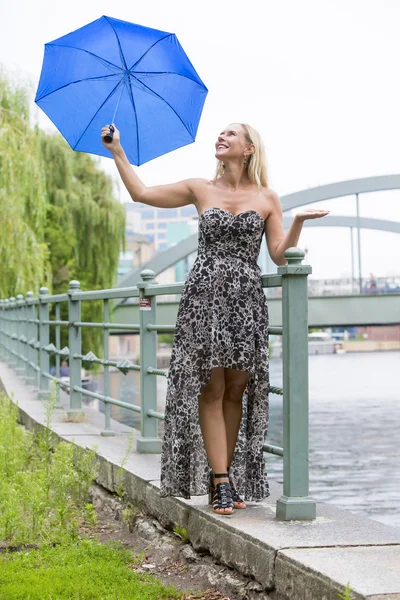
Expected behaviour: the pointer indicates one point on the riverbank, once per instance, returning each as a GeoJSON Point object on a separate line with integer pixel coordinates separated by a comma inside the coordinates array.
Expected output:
{"type": "Point", "coordinates": [294, 560]}
{"type": "Point", "coordinates": [371, 346]}
{"type": "Point", "coordinates": [335, 347]}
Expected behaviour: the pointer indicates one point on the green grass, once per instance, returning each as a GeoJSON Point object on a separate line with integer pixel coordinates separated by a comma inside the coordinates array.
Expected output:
{"type": "Point", "coordinates": [44, 484]}
{"type": "Point", "coordinates": [85, 570]}
{"type": "Point", "coordinates": [44, 502]}
{"type": "Point", "coordinates": [182, 533]}
{"type": "Point", "coordinates": [347, 595]}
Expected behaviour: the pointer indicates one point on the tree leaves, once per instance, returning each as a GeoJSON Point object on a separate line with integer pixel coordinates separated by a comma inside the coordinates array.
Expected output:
{"type": "Point", "coordinates": [59, 219]}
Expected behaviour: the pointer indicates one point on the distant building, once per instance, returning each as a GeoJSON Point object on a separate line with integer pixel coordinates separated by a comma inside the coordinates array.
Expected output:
{"type": "Point", "coordinates": [163, 228]}
{"type": "Point", "coordinates": [381, 333]}
{"type": "Point", "coordinates": [153, 222]}
{"type": "Point", "coordinates": [138, 249]}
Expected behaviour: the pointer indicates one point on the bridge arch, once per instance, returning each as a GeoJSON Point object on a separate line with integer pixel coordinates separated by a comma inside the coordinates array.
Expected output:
{"type": "Point", "coordinates": [339, 189]}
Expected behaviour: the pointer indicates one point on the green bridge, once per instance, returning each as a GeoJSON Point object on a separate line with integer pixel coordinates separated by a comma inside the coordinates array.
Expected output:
{"type": "Point", "coordinates": [323, 311]}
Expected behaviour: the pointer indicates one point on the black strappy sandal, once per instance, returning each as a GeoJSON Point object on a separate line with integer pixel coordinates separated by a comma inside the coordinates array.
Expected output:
{"type": "Point", "coordinates": [237, 500]}
{"type": "Point", "coordinates": [220, 496]}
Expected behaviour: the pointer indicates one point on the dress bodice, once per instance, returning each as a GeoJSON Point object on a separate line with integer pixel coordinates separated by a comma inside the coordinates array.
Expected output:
{"type": "Point", "coordinates": [225, 235]}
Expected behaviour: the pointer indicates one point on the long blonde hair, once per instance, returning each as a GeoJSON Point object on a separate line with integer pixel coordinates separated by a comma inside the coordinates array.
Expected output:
{"type": "Point", "coordinates": [257, 164]}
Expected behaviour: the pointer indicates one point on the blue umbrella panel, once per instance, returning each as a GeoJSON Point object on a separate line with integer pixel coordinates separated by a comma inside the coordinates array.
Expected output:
{"type": "Point", "coordinates": [138, 77]}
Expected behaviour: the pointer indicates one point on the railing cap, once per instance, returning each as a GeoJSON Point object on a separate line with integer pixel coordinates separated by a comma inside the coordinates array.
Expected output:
{"type": "Point", "coordinates": [29, 294]}
{"type": "Point", "coordinates": [74, 285]}
{"type": "Point", "coordinates": [294, 255]}
{"type": "Point", "coordinates": [147, 274]}
{"type": "Point", "coordinates": [43, 291]}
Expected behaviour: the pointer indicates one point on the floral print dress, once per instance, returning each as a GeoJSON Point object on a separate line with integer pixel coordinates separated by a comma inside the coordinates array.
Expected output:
{"type": "Point", "coordinates": [222, 321]}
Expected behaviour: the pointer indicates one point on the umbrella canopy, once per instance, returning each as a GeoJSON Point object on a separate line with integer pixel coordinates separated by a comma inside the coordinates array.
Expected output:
{"type": "Point", "coordinates": [115, 71]}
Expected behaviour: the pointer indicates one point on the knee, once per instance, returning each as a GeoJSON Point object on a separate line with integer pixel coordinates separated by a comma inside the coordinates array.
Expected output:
{"type": "Point", "coordinates": [234, 392]}
{"type": "Point", "coordinates": [212, 394]}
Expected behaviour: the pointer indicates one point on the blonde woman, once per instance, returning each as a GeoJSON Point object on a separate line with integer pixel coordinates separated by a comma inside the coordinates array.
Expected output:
{"type": "Point", "coordinates": [216, 413]}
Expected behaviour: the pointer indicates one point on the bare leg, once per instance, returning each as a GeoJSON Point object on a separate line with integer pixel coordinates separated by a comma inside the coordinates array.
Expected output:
{"type": "Point", "coordinates": [212, 425]}
{"type": "Point", "coordinates": [235, 385]}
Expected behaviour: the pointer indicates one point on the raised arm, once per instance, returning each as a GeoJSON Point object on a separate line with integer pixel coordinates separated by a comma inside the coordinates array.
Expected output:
{"type": "Point", "coordinates": [161, 196]}
{"type": "Point", "coordinates": [277, 241]}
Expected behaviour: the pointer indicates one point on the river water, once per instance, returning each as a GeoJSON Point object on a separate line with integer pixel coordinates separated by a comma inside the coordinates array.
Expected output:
{"type": "Point", "coordinates": [354, 428]}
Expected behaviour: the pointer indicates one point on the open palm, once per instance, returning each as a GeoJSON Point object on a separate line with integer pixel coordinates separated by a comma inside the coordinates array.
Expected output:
{"type": "Point", "coordinates": [311, 213]}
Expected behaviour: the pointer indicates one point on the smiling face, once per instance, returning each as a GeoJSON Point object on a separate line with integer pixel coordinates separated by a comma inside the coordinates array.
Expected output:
{"type": "Point", "coordinates": [232, 143]}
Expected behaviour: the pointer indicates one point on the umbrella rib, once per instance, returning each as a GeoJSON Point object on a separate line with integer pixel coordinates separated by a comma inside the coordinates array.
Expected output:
{"type": "Point", "coordinates": [121, 54]}
{"type": "Point", "coordinates": [77, 81]}
{"type": "Point", "coordinates": [148, 50]}
{"type": "Point", "coordinates": [102, 60]}
{"type": "Point", "coordinates": [95, 114]}
{"type": "Point", "coordinates": [168, 104]}
{"type": "Point", "coordinates": [170, 73]}
{"type": "Point", "coordinates": [136, 119]}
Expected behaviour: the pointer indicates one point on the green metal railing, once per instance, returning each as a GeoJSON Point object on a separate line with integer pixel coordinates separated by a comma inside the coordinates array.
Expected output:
{"type": "Point", "coordinates": [25, 346]}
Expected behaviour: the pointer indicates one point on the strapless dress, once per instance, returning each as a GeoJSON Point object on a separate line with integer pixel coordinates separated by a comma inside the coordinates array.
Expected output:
{"type": "Point", "coordinates": [222, 321]}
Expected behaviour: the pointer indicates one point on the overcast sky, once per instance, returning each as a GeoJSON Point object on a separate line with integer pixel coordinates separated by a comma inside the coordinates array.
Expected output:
{"type": "Point", "coordinates": [318, 78]}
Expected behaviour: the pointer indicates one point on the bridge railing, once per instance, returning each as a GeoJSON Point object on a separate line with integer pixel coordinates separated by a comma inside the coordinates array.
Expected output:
{"type": "Point", "coordinates": [370, 286]}
{"type": "Point", "coordinates": [25, 345]}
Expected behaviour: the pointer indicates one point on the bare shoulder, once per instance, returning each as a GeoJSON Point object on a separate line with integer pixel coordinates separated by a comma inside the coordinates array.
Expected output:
{"type": "Point", "coordinates": [272, 196]}
{"type": "Point", "coordinates": [199, 187]}
{"type": "Point", "coordinates": [273, 201]}
{"type": "Point", "coordinates": [198, 183]}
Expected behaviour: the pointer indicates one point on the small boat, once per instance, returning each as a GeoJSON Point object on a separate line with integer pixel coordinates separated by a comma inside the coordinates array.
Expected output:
{"type": "Point", "coordinates": [321, 342]}
{"type": "Point", "coordinates": [319, 336]}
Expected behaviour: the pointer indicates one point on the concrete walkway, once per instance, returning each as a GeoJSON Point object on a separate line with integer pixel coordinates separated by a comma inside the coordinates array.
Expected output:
{"type": "Point", "coordinates": [297, 560]}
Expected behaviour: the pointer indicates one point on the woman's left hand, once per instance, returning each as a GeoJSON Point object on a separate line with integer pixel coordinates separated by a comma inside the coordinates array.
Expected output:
{"type": "Point", "coordinates": [311, 213]}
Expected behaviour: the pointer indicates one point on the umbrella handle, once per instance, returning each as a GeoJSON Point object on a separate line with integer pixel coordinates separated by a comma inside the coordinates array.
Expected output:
{"type": "Point", "coordinates": [109, 136]}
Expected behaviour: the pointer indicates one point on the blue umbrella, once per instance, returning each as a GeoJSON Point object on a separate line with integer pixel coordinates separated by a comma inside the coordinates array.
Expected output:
{"type": "Point", "coordinates": [114, 71]}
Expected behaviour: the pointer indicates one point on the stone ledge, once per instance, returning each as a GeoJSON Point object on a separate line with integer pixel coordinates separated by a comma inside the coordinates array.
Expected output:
{"type": "Point", "coordinates": [298, 560]}
{"type": "Point", "coordinates": [313, 572]}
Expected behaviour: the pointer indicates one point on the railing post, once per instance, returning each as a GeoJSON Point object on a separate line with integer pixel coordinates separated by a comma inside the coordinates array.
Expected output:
{"type": "Point", "coordinates": [2, 322]}
{"type": "Point", "coordinates": [148, 442]}
{"type": "Point", "coordinates": [295, 503]}
{"type": "Point", "coordinates": [7, 331]}
{"type": "Point", "coordinates": [44, 340]}
{"type": "Point", "coordinates": [13, 362]}
{"type": "Point", "coordinates": [20, 328]}
{"type": "Point", "coordinates": [4, 338]}
{"type": "Point", "coordinates": [75, 350]}
{"type": "Point", "coordinates": [36, 346]}
{"type": "Point", "coordinates": [30, 373]}
{"type": "Point", "coordinates": [58, 338]}
{"type": "Point", "coordinates": [107, 431]}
